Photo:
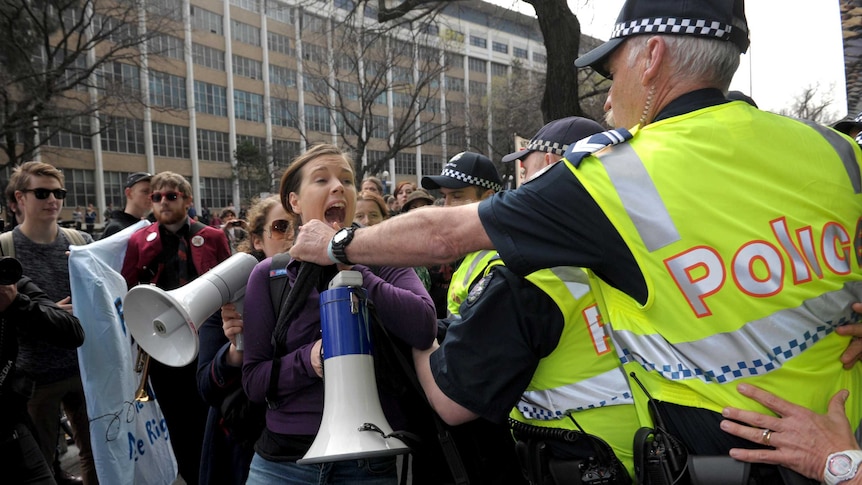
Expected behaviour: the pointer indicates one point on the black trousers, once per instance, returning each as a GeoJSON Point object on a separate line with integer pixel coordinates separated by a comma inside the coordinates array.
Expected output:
{"type": "Point", "coordinates": [24, 461]}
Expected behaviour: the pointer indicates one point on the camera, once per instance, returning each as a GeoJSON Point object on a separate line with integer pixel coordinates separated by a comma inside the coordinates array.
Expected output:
{"type": "Point", "coordinates": [10, 270]}
{"type": "Point", "coordinates": [236, 223]}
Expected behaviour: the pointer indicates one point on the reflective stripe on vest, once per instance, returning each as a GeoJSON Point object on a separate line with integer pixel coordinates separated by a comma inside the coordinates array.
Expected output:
{"type": "Point", "coordinates": [608, 389]}
{"type": "Point", "coordinates": [756, 348]}
{"type": "Point", "coordinates": [569, 287]}
{"type": "Point", "coordinates": [844, 150]}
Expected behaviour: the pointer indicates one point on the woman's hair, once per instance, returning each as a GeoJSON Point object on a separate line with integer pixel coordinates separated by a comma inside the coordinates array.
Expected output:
{"type": "Point", "coordinates": [374, 180]}
{"type": "Point", "coordinates": [401, 186]}
{"type": "Point", "coordinates": [371, 196]}
{"type": "Point", "coordinates": [256, 216]}
{"type": "Point", "coordinates": [291, 179]}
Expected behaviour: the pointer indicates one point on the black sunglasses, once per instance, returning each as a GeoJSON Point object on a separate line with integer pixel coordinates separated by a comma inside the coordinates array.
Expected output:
{"type": "Point", "coordinates": [43, 194]}
{"type": "Point", "coordinates": [171, 196]}
{"type": "Point", "coordinates": [278, 229]}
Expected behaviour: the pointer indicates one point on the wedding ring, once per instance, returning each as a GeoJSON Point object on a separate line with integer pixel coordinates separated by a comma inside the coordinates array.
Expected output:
{"type": "Point", "coordinates": [766, 436]}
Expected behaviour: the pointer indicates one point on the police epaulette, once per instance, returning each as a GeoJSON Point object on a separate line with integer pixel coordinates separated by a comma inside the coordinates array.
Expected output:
{"type": "Point", "coordinates": [591, 144]}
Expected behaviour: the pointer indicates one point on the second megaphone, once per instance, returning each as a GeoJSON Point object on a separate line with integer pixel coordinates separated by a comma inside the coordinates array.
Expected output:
{"type": "Point", "coordinates": [165, 323]}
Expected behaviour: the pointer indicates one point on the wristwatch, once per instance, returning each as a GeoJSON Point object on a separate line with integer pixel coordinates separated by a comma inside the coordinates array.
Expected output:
{"type": "Point", "coordinates": [338, 245]}
{"type": "Point", "coordinates": [842, 466]}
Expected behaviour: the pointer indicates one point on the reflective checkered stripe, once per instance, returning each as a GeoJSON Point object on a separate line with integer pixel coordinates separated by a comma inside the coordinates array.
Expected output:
{"type": "Point", "coordinates": [548, 146]}
{"type": "Point", "coordinates": [671, 25]}
{"type": "Point", "coordinates": [608, 389]}
{"type": "Point", "coordinates": [757, 348]}
{"type": "Point", "coordinates": [470, 179]}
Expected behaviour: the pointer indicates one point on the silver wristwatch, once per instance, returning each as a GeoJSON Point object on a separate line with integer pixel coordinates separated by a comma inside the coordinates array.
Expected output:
{"type": "Point", "coordinates": [842, 466]}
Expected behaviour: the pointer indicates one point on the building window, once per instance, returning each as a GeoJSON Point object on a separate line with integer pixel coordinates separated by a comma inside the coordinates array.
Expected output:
{"type": "Point", "coordinates": [317, 118]}
{"type": "Point", "coordinates": [76, 136]}
{"type": "Point", "coordinates": [167, 46]}
{"type": "Point", "coordinates": [313, 23]}
{"type": "Point", "coordinates": [402, 75]}
{"type": "Point", "coordinates": [167, 90]}
{"type": "Point", "coordinates": [454, 84]}
{"type": "Point", "coordinates": [379, 127]}
{"type": "Point", "coordinates": [540, 58]}
{"type": "Point", "coordinates": [477, 65]}
{"type": "Point", "coordinates": [348, 5]}
{"type": "Point", "coordinates": [81, 187]}
{"type": "Point", "coordinates": [213, 146]}
{"type": "Point", "coordinates": [520, 53]}
{"type": "Point", "coordinates": [283, 152]}
{"type": "Point", "coordinates": [478, 88]}
{"type": "Point", "coordinates": [429, 29]}
{"type": "Point", "coordinates": [499, 70]}
{"type": "Point", "coordinates": [208, 57]}
{"type": "Point", "coordinates": [280, 11]}
{"type": "Point", "coordinates": [455, 108]}
{"type": "Point", "coordinates": [122, 135]}
{"type": "Point", "coordinates": [405, 163]}
{"type": "Point", "coordinates": [117, 76]}
{"type": "Point", "coordinates": [114, 188]}
{"type": "Point", "coordinates": [500, 47]}
{"type": "Point", "coordinates": [279, 43]}
{"type": "Point", "coordinates": [454, 60]}
{"type": "Point", "coordinates": [216, 193]}
{"type": "Point", "coordinates": [478, 41]}
{"type": "Point", "coordinates": [284, 112]}
{"type": "Point", "coordinates": [250, 5]}
{"type": "Point", "coordinates": [432, 164]}
{"type": "Point", "coordinates": [314, 52]}
{"type": "Point", "coordinates": [248, 106]}
{"type": "Point", "coordinates": [243, 66]}
{"type": "Point", "coordinates": [210, 99]}
{"type": "Point", "coordinates": [431, 135]}
{"type": "Point", "coordinates": [282, 76]}
{"type": "Point", "coordinates": [171, 140]}
{"type": "Point", "coordinates": [204, 20]}
{"type": "Point", "coordinates": [245, 33]}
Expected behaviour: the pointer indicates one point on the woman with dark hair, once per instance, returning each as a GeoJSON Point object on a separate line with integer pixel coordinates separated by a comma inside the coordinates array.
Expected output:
{"type": "Point", "coordinates": [320, 185]}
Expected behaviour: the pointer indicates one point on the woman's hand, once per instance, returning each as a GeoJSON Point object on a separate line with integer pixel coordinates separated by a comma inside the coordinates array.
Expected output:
{"type": "Point", "coordinates": [231, 322]}
{"type": "Point", "coordinates": [800, 438]}
{"type": "Point", "coordinates": [317, 358]}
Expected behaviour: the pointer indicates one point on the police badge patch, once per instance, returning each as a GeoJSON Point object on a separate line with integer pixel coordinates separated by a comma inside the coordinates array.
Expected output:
{"type": "Point", "coordinates": [478, 289]}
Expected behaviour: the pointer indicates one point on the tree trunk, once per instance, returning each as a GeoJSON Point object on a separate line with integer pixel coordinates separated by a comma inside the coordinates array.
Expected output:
{"type": "Point", "coordinates": [561, 31]}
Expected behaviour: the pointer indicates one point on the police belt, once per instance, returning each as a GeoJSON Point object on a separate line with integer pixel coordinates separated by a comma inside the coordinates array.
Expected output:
{"type": "Point", "coordinates": [556, 456]}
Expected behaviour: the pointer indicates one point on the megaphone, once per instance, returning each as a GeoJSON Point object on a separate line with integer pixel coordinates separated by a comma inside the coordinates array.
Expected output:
{"type": "Point", "coordinates": [353, 424]}
{"type": "Point", "coordinates": [165, 323]}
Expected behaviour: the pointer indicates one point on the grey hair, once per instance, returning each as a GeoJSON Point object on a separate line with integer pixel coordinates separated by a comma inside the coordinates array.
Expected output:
{"type": "Point", "coordinates": [698, 58]}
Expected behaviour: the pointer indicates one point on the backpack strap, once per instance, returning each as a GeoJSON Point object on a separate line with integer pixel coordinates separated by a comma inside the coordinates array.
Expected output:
{"type": "Point", "coordinates": [7, 246]}
{"type": "Point", "coordinates": [278, 282]}
{"type": "Point", "coordinates": [307, 277]}
{"type": "Point", "coordinates": [73, 236]}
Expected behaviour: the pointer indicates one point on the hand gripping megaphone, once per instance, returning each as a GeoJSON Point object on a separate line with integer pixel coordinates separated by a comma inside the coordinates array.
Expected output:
{"type": "Point", "coordinates": [165, 323]}
{"type": "Point", "coordinates": [353, 424]}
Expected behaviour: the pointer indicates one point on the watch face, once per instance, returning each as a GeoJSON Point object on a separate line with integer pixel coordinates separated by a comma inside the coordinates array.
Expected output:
{"type": "Point", "coordinates": [839, 465]}
{"type": "Point", "coordinates": [340, 236]}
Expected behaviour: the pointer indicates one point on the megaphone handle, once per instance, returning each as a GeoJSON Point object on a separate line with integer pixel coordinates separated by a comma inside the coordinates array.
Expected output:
{"type": "Point", "coordinates": [239, 342]}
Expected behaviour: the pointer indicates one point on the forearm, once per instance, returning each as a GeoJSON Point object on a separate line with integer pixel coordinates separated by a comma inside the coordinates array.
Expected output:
{"type": "Point", "coordinates": [434, 235]}
{"type": "Point", "coordinates": [450, 411]}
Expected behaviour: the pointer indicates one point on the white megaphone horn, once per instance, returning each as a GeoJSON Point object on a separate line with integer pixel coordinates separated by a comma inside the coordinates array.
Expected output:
{"type": "Point", "coordinates": [353, 424]}
{"type": "Point", "coordinates": [165, 323]}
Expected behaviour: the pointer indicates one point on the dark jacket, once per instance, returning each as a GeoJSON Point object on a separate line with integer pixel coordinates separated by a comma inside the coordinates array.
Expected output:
{"type": "Point", "coordinates": [32, 314]}
{"type": "Point", "coordinates": [119, 221]}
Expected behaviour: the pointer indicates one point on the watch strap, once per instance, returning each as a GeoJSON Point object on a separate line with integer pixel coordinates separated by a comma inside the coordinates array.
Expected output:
{"type": "Point", "coordinates": [337, 251]}
{"type": "Point", "coordinates": [856, 460]}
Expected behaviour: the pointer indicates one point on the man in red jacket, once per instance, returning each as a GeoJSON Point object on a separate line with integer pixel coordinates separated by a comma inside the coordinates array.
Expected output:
{"type": "Point", "coordinates": [169, 254]}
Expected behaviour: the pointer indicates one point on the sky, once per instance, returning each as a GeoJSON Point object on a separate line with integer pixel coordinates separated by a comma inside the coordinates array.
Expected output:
{"type": "Point", "coordinates": [794, 44]}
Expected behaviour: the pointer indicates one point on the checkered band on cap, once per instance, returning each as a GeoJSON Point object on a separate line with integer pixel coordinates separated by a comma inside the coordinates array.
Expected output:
{"type": "Point", "coordinates": [672, 25]}
{"type": "Point", "coordinates": [470, 179]}
{"type": "Point", "coordinates": [547, 146]}
{"type": "Point", "coordinates": [858, 118]}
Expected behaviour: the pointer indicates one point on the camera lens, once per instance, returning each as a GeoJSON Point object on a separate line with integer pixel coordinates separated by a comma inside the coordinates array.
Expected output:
{"type": "Point", "coordinates": [10, 270]}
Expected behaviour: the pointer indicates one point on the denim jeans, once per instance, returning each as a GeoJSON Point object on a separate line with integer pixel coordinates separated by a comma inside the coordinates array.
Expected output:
{"type": "Point", "coordinates": [373, 471]}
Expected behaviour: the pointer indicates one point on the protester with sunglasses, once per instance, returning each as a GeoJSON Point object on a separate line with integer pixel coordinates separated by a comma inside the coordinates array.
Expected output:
{"type": "Point", "coordinates": [40, 244]}
{"type": "Point", "coordinates": [170, 253]}
{"type": "Point", "coordinates": [226, 455]}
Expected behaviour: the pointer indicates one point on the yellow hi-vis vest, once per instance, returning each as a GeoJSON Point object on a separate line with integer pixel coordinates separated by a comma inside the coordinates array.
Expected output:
{"type": "Point", "coordinates": [582, 376]}
{"type": "Point", "coordinates": [474, 266]}
{"type": "Point", "coordinates": [746, 226]}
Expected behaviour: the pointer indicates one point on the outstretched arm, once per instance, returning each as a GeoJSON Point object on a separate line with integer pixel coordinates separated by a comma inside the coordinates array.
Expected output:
{"type": "Point", "coordinates": [433, 235]}
{"type": "Point", "coordinates": [802, 439]}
